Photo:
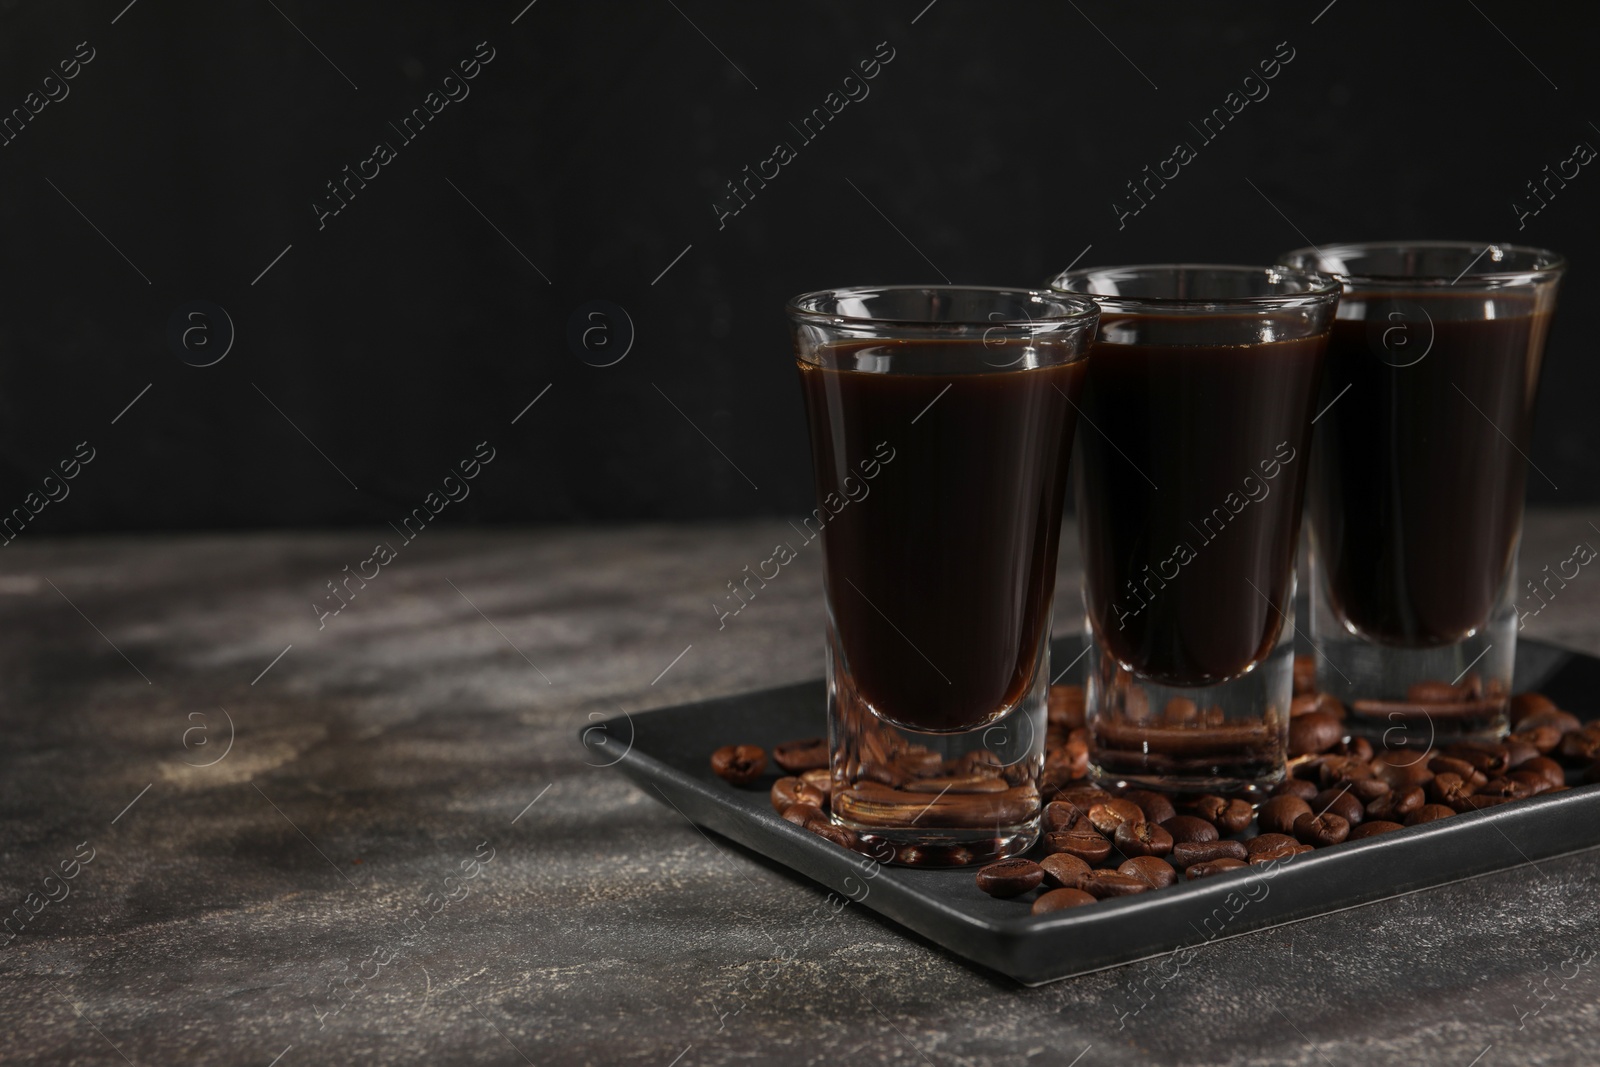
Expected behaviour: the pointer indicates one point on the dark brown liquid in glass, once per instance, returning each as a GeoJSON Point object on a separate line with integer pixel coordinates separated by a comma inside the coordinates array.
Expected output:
{"type": "Point", "coordinates": [1193, 476]}
{"type": "Point", "coordinates": [1417, 502]}
{"type": "Point", "coordinates": [941, 568]}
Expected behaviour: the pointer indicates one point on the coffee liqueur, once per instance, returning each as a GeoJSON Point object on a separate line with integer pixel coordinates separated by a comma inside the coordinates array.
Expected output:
{"type": "Point", "coordinates": [941, 581]}
{"type": "Point", "coordinates": [1417, 505]}
{"type": "Point", "coordinates": [1187, 492]}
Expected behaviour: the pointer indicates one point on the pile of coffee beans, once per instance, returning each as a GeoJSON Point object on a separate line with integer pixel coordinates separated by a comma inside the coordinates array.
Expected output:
{"type": "Point", "coordinates": [1096, 844]}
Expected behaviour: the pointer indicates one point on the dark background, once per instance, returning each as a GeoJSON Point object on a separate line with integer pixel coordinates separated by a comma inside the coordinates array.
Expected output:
{"type": "Point", "coordinates": [596, 141]}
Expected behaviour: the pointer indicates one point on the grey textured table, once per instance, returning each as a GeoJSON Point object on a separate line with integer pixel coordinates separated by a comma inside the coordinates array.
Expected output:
{"type": "Point", "coordinates": [291, 899]}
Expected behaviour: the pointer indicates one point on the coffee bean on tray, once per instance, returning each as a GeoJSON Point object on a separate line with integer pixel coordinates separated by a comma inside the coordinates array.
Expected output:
{"type": "Point", "coordinates": [791, 790]}
{"type": "Point", "coordinates": [825, 829]}
{"type": "Point", "coordinates": [1372, 828]}
{"type": "Point", "coordinates": [797, 756]}
{"type": "Point", "coordinates": [1295, 787]}
{"type": "Point", "coordinates": [1104, 884]}
{"type": "Point", "coordinates": [1142, 839]}
{"type": "Point", "coordinates": [1278, 814]}
{"type": "Point", "coordinates": [1210, 867]}
{"type": "Point", "coordinates": [1157, 807]}
{"type": "Point", "coordinates": [1321, 830]}
{"type": "Point", "coordinates": [1064, 870]}
{"type": "Point", "coordinates": [1428, 813]}
{"type": "Point", "coordinates": [1010, 878]}
{"type": "Point", "coordinates": [1189, 853]}
{"type": "Point", "coordinates": [1108, 815]}
{"type": "Point", "coordinates": [1190, 828]}
{"type": "Point", "coordinates": [1339, 801]}
{"type": "Point", "coordinates": [1314, 733]}
{"type": "Point", "coordinates": [739, 764]}
{"type": "Point", "coordinates": [1082, 841]}
{"type": "Point", "coordinates": [1156, 872]}
{"type": "Point", "coordinates": [1060, 900]}
{"type": "Point", "coordinates": [1235, 816]}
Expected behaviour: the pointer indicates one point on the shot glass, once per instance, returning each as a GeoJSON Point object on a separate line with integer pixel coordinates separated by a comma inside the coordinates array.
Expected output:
{"type": "Point", "coordinates": [1192, 469]}
{"type": "Point", "coordinates": [1417, 481]}
{"type": "Point", "coordinates": [941, 425]}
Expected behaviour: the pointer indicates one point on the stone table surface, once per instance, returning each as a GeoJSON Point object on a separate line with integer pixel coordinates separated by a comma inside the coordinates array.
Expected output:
{"type": "Point", "coordinates": [372, 837]}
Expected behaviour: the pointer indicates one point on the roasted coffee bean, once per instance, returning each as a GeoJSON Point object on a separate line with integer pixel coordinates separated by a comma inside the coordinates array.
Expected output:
{"type": "Point", "coordinates": [1157, 807]}
{"type": "Point", "coordinates": [1305, 675]}
{"type": "Point", "coordinates": [1580, 746]}
{"type": "Point", "coordinates": [1372, 828]}
{"type": "Point", "coordinates": [1479, 801]}
{"type": "Point", "coordinates": [1518, 753]}
{"type": "Point", "coordinates": [1278, 815]}
{"type": "Point", "coordinates": [1459, 767]}
{"type": "Point", "coordinates": [1428, 813]}
{"type": "Point", "coordinates": [1401, 767]}
{"type": "Point", "coordinates": [1189, 853]}
{"type": "Point", "coordinates": [1142, 839]}
{"type": "Point", "coordinates": [1449, 789]}
{"type": "Point", "coordinates": [1534, 782]}
{"type": "Point", "coordinates": [1154, 872]}
{"type": "Point", "coordinates": [1543, 739]}
{"type": "Point", "coordinates": [1236, 816]}
{"type": "Point", "coordinates": [820, 780]}
{"type": "Point", "coordinates": [791, 790]}
{"type": "Point", "coordinates": [1396, 804]}
{"type": "Point", "coordinates": [1107, 815]}
{"type": "Point", "coordinates": [1321, 830]}
{"type": "Point", "coordinates": [840, 836]}
{"type": "Point", "coordinates": [1563, 721]}
{"type": "Point", "coordinates": [1490, 759]}
{"type": "Point", "coordinates": [1060, 900]}
{"type": "Point", "coordinates": [1526, 704]}
{"type": "Point", "coordinates": [1340, 802]}
{"type": "Point", "coordinates": [1069, 762]}
{"type": "Point", "coordinates": [1189, 828]}
{"type": "Point", "coordinates": [1104, 884]}
{"type": "Point", "coordinates": [1064, 870]}
{"type": "Point", "coordinates": [1295, 787]}
{"type": "Point", "coordinates": [1010, 878]}
{"type": "Point", "coordinates": [1365, 789]}
{"type": "Point", "coordinates": [1210, 867]}
{"type": "Point", "coordinates": [1066, 706]}
{"type": "Point", "coordinates": [1356, 748]}
{"type": "Point", "coordinates": [739, 764]}
{"type": "Point", "coordinates": [1548, 769]}
{"type": "Point", "coordinates": [1082, 841]}
{"type": "Point", "coordinates": [1509, 788]}
{"type": "Point", "coordinates": [1269, 847]}
{"type": "Point", "coordinates": [1313, 733]}
{"type": "Point", "coordinates": [802, 813]}
{"type": "Point", "coordinates": [1336, 770]}
{"type": "Point", "coordinates": [1206, 806]}
{"type": "Point", "coordinates": [1062, 815]}
{"type": "Point", "coordinates": [797, 756]}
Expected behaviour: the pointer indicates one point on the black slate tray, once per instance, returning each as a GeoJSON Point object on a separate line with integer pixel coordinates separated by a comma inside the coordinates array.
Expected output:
{"type": "Point", "coordinates": [666, 752]}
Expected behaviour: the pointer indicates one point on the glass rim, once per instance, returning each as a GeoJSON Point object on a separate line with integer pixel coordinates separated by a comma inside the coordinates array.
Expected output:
{"type": "Point", "coordinates": [1319, 287]}
{"type": "Point", "coordinates": [1552, 264]}
{"type": "Point", "coordinates": [1076, 309]}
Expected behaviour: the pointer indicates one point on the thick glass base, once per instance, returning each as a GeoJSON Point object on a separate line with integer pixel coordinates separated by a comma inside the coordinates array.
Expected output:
{"type": "Point", "coordinates": [944, 799]}
{"type": "Point", "coordinates": [1401, 697]}
{"type": "Point", "coordinates": [1230, 739]}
